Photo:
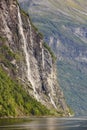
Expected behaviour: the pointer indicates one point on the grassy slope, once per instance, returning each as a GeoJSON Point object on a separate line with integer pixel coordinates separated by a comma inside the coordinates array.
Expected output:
{"type": "Point", "coordinates": [14, 101]}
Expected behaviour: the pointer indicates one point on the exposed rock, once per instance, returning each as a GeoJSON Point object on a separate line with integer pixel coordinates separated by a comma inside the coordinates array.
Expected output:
{"type": "Point", "coordinates": [64, 25]}
{"type": "Point", "coordinates": [33, 64]}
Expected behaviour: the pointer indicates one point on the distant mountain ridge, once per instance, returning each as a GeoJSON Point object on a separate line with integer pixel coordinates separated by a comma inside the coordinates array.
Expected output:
{"type": "Point", "coordinates": [64, 24]}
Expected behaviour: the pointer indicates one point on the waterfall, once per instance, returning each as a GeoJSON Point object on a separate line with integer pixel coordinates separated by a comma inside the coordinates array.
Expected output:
{"type": "Point", "coordinates": [51, 41]}
{"type": "Point", "coordinates": [53, 103]}
{"type": "Point", "coordinates": [50, 81]}
{"type": "Point", "coordinates": [27, 57]}
{"type": "Point", "coordinates": [31, 37]}
{"type": "Point", "coordinates": [43, 58]}
{"type": "Point", "coordinates": [26, 53]}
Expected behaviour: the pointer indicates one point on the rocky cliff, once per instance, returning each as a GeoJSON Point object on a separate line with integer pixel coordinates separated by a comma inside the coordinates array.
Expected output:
{"type": "Point", "coordinates": [26, 58]}
{"type": "Point", "coordinates": [64, 25]}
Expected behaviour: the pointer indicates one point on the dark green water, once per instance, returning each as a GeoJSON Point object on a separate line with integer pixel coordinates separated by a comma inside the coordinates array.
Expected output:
{"type": "Point", "coordinates": [44, 124]}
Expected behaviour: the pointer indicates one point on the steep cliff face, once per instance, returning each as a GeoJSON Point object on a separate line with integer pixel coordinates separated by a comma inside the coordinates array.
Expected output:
{"type": "Point", "coordinates": [28, 60]}
{"type": "Point", "coordinates": [64, 25]}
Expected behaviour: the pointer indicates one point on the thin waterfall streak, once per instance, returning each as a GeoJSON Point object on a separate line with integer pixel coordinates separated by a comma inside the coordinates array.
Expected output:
{"type": "Point", "coordinates": [31, 37]}
{"type": "Point", "coordinates": [52, 82]}
{"type": "Point", "coordinates": [53, 103]}
{"type": "Point", "coordinates": [43, 58]}
{"type": "Point", "coordinates": [25, 50]}
{"type": "Point", "coordinates": [25, 42]}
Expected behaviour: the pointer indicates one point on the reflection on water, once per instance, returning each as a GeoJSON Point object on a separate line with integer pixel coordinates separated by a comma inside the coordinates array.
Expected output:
{"type": "Point", "coordinates": [44, 124]}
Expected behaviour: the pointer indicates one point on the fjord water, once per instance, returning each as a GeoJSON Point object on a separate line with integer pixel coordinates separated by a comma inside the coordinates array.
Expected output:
{"type": "Point", "coordinates": [44, 124]}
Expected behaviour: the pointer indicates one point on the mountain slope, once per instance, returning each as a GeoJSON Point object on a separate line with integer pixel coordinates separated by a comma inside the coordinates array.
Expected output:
{"type": "Point", "coordinates": [64, 24]}
{"type": "Point", "coordinates": [14, 101]}
{"type": "Point", "coordinates": [27, 67]}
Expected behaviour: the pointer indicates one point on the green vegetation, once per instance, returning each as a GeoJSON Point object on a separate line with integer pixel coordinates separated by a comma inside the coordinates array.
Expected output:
{"type": "Point", "coordinates": [71, 111]}
{"type": "Point", "coordinates": [23, 12]}
{"type": "Point", "coordinates": [50, 51]}
{"type": "Point", "coordinates": [41, 35]}
{"type": "Point", "coordinates": [5, 50]}
{"type": "Point", "coordinates": [7, 55]}
{"type": "Point", "coordinates": [2, 39]}
{"type": "Point", "coordinates": [14, 101]}
{"type": "Point", "coordinates": [33, 26]}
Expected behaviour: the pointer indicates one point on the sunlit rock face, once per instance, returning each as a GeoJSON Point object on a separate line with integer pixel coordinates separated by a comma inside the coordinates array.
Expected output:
{"type": "Point", "coordinates": [64, 25]}
{"type": "Point", "coordinates": [34, 66]}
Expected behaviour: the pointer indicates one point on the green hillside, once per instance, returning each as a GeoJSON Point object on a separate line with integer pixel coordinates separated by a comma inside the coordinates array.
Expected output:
{"type": "Point", "coordinates": [15, 101]}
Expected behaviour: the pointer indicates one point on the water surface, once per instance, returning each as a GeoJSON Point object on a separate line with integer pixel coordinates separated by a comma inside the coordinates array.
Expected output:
{"type": "Point", "coordinates": [44, 124]}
